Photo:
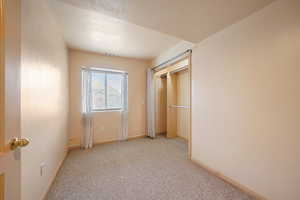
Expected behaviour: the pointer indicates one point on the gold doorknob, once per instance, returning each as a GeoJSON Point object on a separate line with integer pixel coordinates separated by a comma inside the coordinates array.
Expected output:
{"type": "Point", "coordinates": [16, 142]}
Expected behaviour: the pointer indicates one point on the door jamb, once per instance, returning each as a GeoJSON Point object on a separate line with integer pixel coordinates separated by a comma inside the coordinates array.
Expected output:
{"type": "Point", "coordinates": [2, 76]}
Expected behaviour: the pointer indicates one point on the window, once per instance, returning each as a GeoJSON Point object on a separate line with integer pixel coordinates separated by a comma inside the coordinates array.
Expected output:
{"type": "Point", "coordinates": [108, 90]}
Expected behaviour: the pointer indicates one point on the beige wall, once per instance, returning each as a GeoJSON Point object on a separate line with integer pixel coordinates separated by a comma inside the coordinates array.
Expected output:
{"type": "Point", "coordinates": [246, 101]}
{"type": "Point", "coordinates": [107, 125]}
{"type": "Point", "coordinates": [44, 98]}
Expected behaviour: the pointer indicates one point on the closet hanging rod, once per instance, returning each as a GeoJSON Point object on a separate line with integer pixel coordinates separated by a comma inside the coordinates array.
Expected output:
{"type": "Point", "coordinates": [179, 106]}
{"type": "Point", "coordinates": [161, 66]}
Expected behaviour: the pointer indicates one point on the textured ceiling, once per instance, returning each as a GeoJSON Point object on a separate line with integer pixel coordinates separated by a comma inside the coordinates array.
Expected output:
{"type": "Point", "coordinates": [93, 31]}
{"type": "Point", "coordinates": [191, 20]}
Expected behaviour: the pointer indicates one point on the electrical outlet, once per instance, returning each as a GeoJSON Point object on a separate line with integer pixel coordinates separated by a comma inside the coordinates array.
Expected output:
{"type": "Point", "coordinates": [42, 168]}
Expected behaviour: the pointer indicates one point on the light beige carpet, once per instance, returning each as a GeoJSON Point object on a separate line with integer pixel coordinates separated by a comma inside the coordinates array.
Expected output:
{"type": "Point", "coordinates": [142, 169]}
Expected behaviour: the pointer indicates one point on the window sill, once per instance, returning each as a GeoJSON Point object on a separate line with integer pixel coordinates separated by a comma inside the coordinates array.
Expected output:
{"type": "Point", "coordinates": [108, 110]}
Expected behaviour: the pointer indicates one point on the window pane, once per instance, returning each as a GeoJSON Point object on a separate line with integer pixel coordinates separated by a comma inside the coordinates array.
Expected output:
{"type": "Point", "coordinates": [98, 90]}
{"type": "Point", "coordinates": [114, 91]}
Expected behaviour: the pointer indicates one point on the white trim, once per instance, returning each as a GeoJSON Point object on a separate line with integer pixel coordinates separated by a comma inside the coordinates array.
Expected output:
{"type": "Point", "coordinates": [150, 104]}
{"type": "Point", "coordinates": [106, 110]}
{"type": "Point", "coordinates": [105, 93]}
{"type": "Point", "coordinates": [104, 69]}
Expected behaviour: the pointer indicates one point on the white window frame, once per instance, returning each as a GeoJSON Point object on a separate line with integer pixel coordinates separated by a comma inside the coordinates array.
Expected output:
{"type": "Point", "coordinates": [87, 93]}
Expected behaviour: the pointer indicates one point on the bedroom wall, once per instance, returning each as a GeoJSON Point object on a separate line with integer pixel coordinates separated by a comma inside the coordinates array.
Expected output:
{"type": "Point", "coordinates": [107, 125]}
{"type": "Point", "coordinates": [44, 98]}
{"type": "Point", "coordinates": [246, 101]}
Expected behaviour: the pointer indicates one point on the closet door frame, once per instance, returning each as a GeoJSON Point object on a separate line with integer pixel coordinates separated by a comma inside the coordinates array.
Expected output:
{"type": "Point", "coordinates": [167, 71]}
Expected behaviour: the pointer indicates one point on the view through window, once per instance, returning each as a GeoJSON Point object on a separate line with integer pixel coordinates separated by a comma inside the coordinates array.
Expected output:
{"type": "Point", "coordinates": [106, 90]}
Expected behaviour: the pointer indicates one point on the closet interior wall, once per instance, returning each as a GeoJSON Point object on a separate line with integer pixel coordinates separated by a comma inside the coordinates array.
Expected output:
{"type": "Point", "coordinates": [161, 105]}
{"type": "Point", "coordinates": [183, 100]}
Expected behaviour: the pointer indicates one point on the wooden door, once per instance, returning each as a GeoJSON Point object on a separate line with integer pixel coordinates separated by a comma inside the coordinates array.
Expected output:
{"type": "Point", "coordinates": [9, 99]}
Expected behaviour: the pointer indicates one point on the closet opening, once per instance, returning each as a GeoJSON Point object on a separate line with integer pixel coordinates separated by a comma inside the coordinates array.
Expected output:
{"type": "Point", "coordinates": [172, 101]}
